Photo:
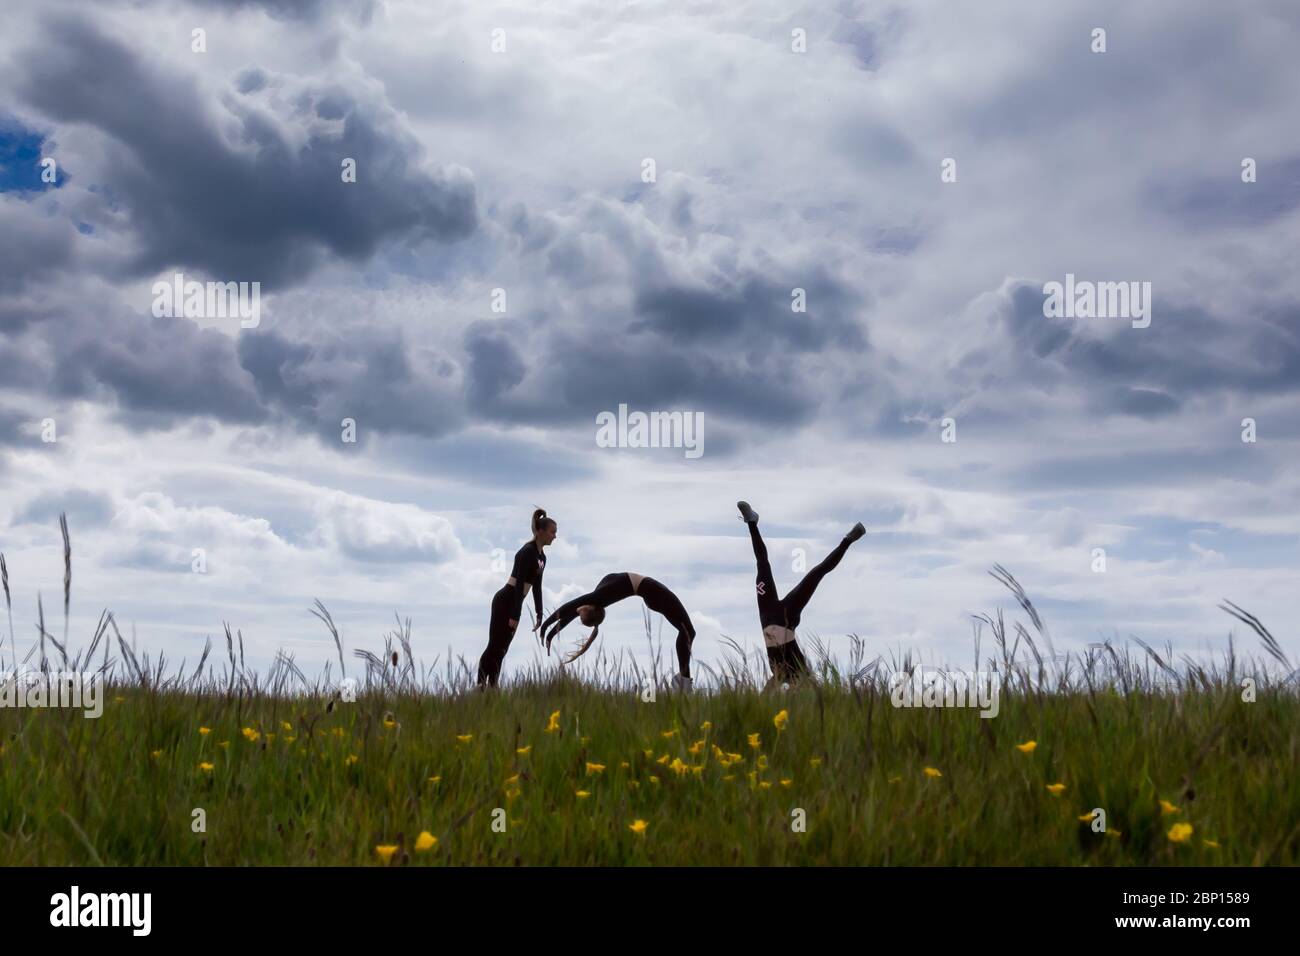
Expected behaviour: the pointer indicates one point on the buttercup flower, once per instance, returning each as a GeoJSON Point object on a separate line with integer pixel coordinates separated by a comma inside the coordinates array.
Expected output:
{"type": "Point", "coordinates": [386, 851]}
{"type": "Point", "coordinates": [425, 841]}
{"type": "Point", "coordinates": [638, 826]}
{"type": "Point", "coordinates": [1179, 832]}
{"type": "Point", "coordinates": [1028, 747]}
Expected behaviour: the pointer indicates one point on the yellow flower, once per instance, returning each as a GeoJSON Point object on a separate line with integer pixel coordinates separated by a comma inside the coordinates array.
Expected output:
{"type": "Point", "coordinates": [1027, 747]}
{"type": "Point", "coordinates": [719, 752]}
{"type": "Point", "coordinates": [765, 786]}
{"type": "Point", "coordinates": [735, 758]}
{"type": "Point", "coordinates": [669, 733]}
{"type": "Point", "coordinates": [593, 768]}
{"type": "Point", "coordinates": [582, 794]}
{"type": "Point", "coordinates": [814, 762]}
{"type": "Point", "coordinates": [1056, 789]}
{"type": "Point", "coordinates": [1211, 844]}
{"type": "Point", "coordinates": [286, 725]}
{"type": "Point", "coordinates": [250, 734]}
{"type": "Point", "coordinates": [291, 738]}
{"type": "Point", "coordinates": [464, 738]}
{"type": "Point", "coordinates": [1166, 808]}
{"type": "Point", "coordinates": [338, 732]}
{"type": "Point", "coordinates": [389, 723]}
{"type": "Point", "coordinates": [781, 719]}
{"type": "Point", "coordinates": [512, 780]}
{"type": "Point", "coordinates": [761, 762]}
{"type": "Point", "coordinates": [204, 731]}
{"type": "Point", "coordinates": [511, 793]}
{"type": "Point", "coordinates": [524, 751]}
{"type": "Point", "coordinates": [677, 766]}
{"type": "Point", "coordinates": [386, 851]}
{"type": "Point", "coordinates": [1179, 832]}
{"type": "Point", "coordinates": [707, 725]}
{"type": "Point", "coordinates": [754, 741]}
{"type": "Point", "coordinates": [1085, 818]}
{"type": "Point", "coordinates": [637, 826]}
{"type": "Point", "coordinates": [663, 759]}
{"type": "Point", "coordinates": [623, 765]}
{"type": "Point", "coordinates": [1114, 833]}
{"type": "Point", "coordinates": [554, 723]}
{"type": "Point", "coordinates": [425, 842]}
{"type": "Point", "coordinates": [436, 779]}
{"type": "Point", "coordinates": [205, 767]}
{"type": "Point", "coordinates": [352, 758]}
{"type": "Point", "coordinates": [932, 772]}
{"type": "Point", "coordinates": [156, 754]}
{"type": "Point", "coordinates": [786, 783]}
{"type": "Point", "coordinates": [697, 769]}
{"type": "Point", "coordinates": [695, 748]}
{"type": "Point", "coordinates": [730, 776]}
{"type": "Point", "coordinates": [655, 781]}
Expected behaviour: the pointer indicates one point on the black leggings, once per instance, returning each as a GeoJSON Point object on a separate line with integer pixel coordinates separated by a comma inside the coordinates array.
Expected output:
{"type": "Point", "coordinates": [663, 601]}
{"type": "Point", "coordinates": [500, 634]}
{"type": "Point", "coordinates": [787, 660]}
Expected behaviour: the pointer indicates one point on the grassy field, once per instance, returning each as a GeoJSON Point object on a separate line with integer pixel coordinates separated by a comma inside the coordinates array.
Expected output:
{"type": "Point", "coordinates": [572, 768]}
{"type": "Point", "coordinates": [1192, 764]}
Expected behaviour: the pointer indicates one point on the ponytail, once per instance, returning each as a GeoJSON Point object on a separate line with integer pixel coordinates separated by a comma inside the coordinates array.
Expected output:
{"type": "Point", "coordinates": [541, 520]}
{"type": "Point", "coordinates": [584, 647]}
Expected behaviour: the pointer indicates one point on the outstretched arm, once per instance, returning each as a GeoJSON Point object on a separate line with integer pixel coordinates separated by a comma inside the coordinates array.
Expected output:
{"type": "Point", "coordinates": [537, 593]}
{"type": "Point", "coordinates": [561, 617]}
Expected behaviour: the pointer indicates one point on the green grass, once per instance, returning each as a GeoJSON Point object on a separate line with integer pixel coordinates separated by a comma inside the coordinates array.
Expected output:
{"type": "Point", "coordinates": [300, 776]}
{"type": "Point", "coordinates": [81, 791]}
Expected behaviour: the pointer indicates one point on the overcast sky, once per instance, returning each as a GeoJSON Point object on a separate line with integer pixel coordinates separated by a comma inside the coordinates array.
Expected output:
{"type": "Point", "coordinates": [521, 168]}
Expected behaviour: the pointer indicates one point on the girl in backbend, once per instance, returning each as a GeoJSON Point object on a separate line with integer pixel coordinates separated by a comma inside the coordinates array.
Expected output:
{"type": "Point", "coordinates": [616, 587]}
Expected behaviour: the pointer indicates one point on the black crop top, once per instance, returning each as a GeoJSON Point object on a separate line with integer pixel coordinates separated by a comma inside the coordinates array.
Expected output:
{"type": "Point", "coordinates": [530, 562]}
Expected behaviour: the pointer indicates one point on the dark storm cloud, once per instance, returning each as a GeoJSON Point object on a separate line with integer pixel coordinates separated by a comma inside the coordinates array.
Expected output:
{"type": "Point", "coordinates": [308, 10]}
{"type": "Point", "coordinates": [1224, 201]}
{"type": "Point", "coordinates": [33, 247]}
{"type": "Point", "coordinates": [1186, 352]}
{"type": "Point", "coordinates": [494, 460]}
{"type": "Point", "coordinates": [578, 377]}
{"type": "Point", "coordinates": [84, 508]}
{"type": "Point", "coordinates": [376, 378]}
{"type": "Point", "coordinates": [495, 366]}
{"type": "Point", "coordinates": [755, 312]}
{"type": "Point", "coordinates": [167, 368]}
{"type": "Point", "coordinates": [263, 210]}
